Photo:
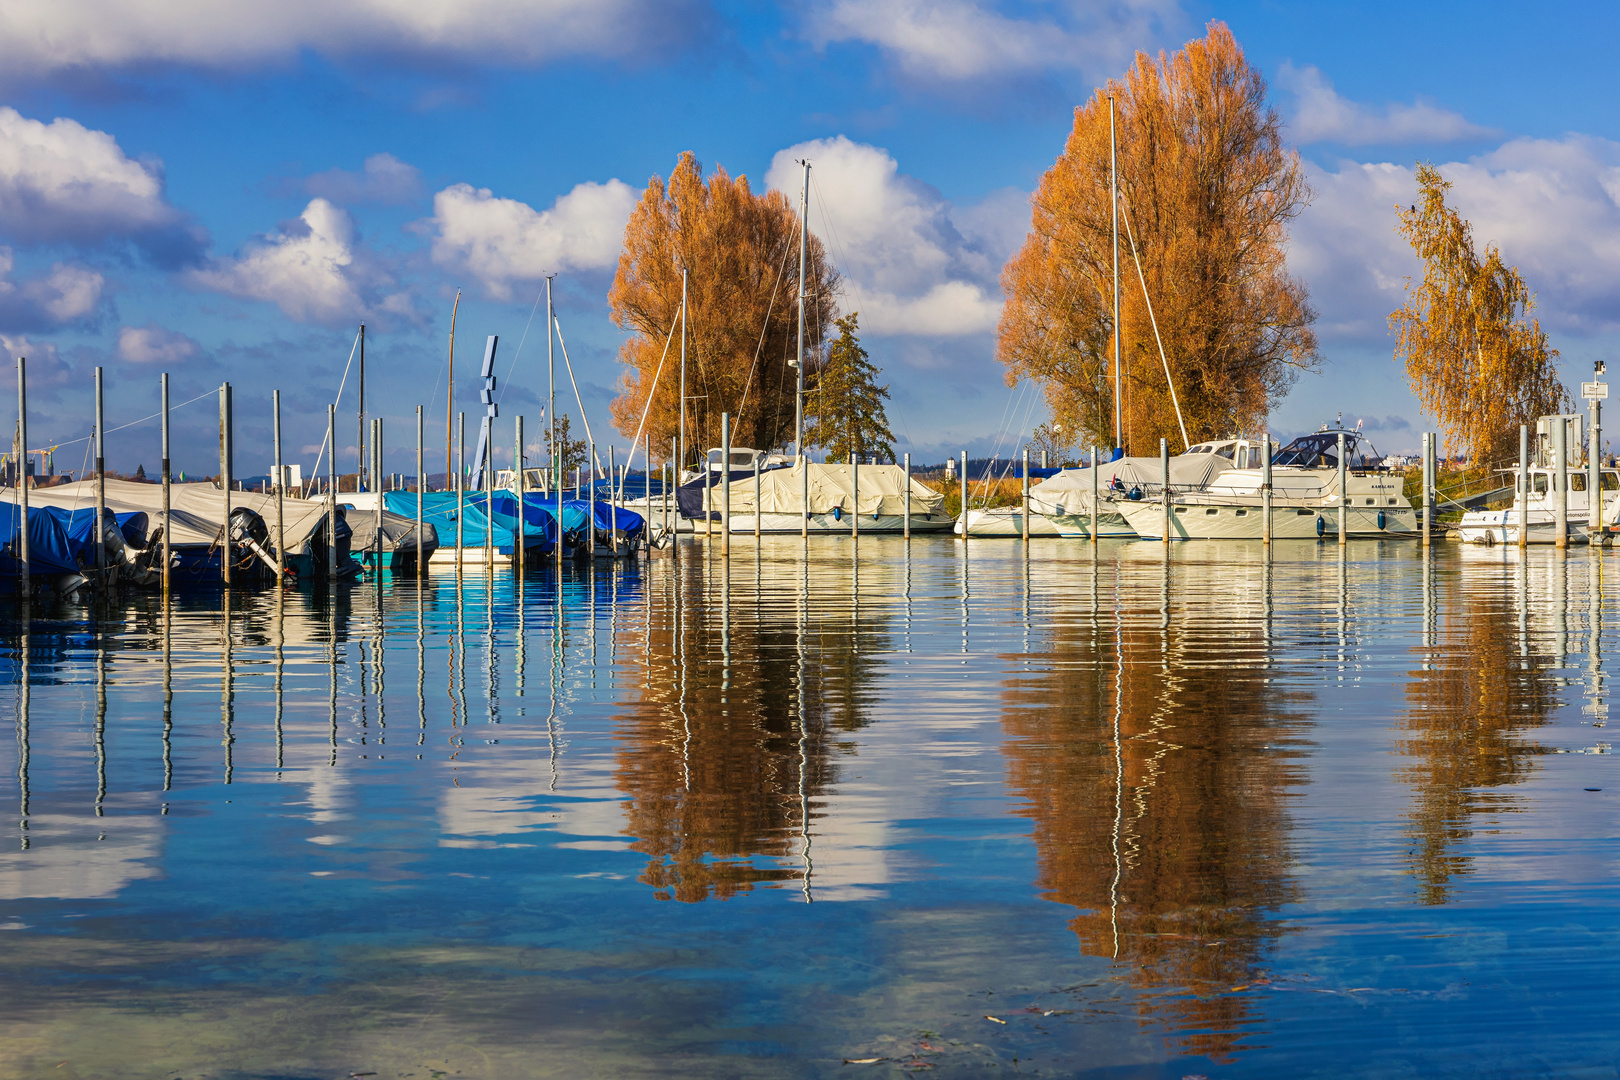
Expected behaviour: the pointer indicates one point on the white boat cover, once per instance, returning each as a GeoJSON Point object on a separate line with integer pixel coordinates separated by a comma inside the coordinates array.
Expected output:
{"type": "Point", "coordinates": [1069, 492]}
{"type": "Point", "coordinates": [197, 511]}
{"type": "Point", "coordinates": [882, 491]}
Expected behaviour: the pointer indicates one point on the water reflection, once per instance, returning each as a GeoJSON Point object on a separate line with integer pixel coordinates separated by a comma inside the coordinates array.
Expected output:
{"type": "Point", "coordinates": [1146, 753]}
{"type": "Point", "coordinates": [734, 709]}
{"type": "Point", "coordinates": [1486, 679]}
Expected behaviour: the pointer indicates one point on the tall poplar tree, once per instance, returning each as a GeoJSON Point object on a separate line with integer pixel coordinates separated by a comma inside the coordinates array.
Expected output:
{"type": "Point", "coordinates": [1475, 358]}
{"type": "Point", "coordinates": [848, 418]}
{"type": "Point", "coordinates": [1207, 188]}
{"type": "Point", "coordinates": [741, 252]}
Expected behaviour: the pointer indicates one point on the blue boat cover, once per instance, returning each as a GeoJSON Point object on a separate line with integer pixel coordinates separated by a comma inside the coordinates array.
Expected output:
{"type": "Point", "coordinates": [49, 549]}
{"type": "Point", "coordinates": [439, 510]}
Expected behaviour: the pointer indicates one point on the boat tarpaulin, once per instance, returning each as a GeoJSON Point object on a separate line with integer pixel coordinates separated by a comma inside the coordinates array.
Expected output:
{"type": "Point", "coordinates": [1069, 492]}
{"type": "Point", "coordinates": [832, 487]}
{"type": "Point", "coordinates": [50, 551]}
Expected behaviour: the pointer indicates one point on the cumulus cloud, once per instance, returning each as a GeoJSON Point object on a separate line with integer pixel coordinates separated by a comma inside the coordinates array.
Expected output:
{"type": "Point", "coordinates": [965, 40]}
{"type": "Point", "coordinates": [503, 241]}
{"type": "Point", "coordinates": [65, 183]}
{"type": "Point", "coordinates": [62, 295]}
{"type": "Point", "coordinates": [152, 344]}
{"type": "Point", "coordinates": [1321, 115]}
{"type": "Point", "coordinates": [69, 36]}
{"type": "Point", "coordinates": [912, 263]}
{"type": "Point", "coordinates": [1553, 206]}
{"type": "Point", "coordinates": [312, 268]}
{"type": "Point", "coordinates": [384, 179]}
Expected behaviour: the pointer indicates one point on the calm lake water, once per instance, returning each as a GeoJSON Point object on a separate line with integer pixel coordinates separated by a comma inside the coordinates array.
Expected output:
{"type": "Point", "coordinates": [1155, 815]}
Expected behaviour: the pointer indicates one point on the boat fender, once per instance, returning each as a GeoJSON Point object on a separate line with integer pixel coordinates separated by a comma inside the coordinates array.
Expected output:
{"type": "Point", "coordinates": [1135, 494]}
{"type": "Point", "coordinates": [1321, 526]}
{"type": "Point", "coordinates": [838, 513]}
{"type": "Point", "coordinates": [1380, 521]}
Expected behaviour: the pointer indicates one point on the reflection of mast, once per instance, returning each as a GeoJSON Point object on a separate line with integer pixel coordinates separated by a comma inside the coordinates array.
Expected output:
{"type": "Point", "coordinates": [101, 720]}
{"type": "Point", "coordinates": [168, 699]}
{"type": "Point", "coordinates": [804, 799]}
{"type": "Point", "coordinates": [23, 651]}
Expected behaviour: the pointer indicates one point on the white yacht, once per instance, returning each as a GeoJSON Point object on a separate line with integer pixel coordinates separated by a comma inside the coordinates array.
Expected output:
{"type": "Point", "coordinates": [1541, 509]}
{"type": "Point", "coordinates": [1305, 497]}
{"type": "Point", "coordinates": [1060, 505]}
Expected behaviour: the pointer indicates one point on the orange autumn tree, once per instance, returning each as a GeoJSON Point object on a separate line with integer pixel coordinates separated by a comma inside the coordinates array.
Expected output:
{"type": "Point", "coordinates": [739, 249]}
{"type": "Point", "coordinates": [1475, 358]}
{"type": "Point", "coordinates": [1208, 189]}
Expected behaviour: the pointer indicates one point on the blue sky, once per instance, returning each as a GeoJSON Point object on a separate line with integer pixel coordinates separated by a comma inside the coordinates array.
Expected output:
{"type": "Point", "coordinates": [224, 193]}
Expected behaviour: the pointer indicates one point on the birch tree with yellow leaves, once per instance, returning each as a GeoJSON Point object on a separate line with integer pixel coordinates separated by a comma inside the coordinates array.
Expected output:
{"type": "Point", "coordinates": [1477, 360]}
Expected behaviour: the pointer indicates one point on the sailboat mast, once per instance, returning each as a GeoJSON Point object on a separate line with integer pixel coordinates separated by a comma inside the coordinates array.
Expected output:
{"type": "Point", "coordinates": [555, 463]}
{"type": "Point", "coordinates": [804, 248]}
{"type": "Point", "coordinates": [360, 442]}
{"type": "Point", "coordinates": [1113, 189]}
{"type": "Point", "coordinates": [450, 391]}
{"type": "Point", "coordinates": [682, 448]}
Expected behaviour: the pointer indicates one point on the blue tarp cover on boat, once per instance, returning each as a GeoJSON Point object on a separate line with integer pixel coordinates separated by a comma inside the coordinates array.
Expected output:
{"type": "Point", "coordinates": [439, 510]}
{"type": "Point", "coordinates": [49, 549]}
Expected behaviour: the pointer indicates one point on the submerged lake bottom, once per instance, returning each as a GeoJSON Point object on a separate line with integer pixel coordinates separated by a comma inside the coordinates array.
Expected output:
{"type": "Point", "coordinates": [832, 807]}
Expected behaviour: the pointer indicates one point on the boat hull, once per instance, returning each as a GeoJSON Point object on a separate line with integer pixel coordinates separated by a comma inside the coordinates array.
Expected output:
{"type": "Point", "coordinates": [1203, 521]}
{"type": "Point", "coordinates": [1009, 522]}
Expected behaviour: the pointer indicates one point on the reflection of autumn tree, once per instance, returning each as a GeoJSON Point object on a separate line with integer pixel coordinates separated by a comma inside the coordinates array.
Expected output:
{"type": "Point", "coordinates": [710, 757]}
{"type": "Point", "coordinates": [1467, 715]}
{"type": "Point", "coordinates": [1175, 850]}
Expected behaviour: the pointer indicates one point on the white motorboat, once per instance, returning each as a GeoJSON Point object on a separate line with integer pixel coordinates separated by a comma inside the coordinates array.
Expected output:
{"type": "Point", "coordinates": [1540, 505]}
{"type": "Point", "coordinates": [1061, 506]}
{"type": "Point", "coordinates": [1305, 498]}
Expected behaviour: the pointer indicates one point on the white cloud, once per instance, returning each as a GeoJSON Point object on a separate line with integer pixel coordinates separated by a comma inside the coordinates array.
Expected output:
{"type": "Point", "coordinates": [69, 35]}
{"type": "Point", "coordinates": [908, 266]}
{"type": "Point", "coordinates": [65, 183]}
{"type": "Point", "coordinates": [62, 295]}
{"type": "Point", "coordinates": [504, 241]}
{"type": "Point", "coordinates": [313, 269]}
{"type": "Point", "coordinates": [1553, 206]}
{"type": "Point", "coordinates": [152, 344]}
{"type": "Point", "coordinates": [964, 40]}
{"type": "Point", "coordinates": [385, 179]}
{"type": "Point", "coordinates": [1321, 115]}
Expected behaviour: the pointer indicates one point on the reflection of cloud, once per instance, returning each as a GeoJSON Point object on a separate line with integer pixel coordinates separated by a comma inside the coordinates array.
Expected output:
{"type": "Point", "coordinates": [81, 858]}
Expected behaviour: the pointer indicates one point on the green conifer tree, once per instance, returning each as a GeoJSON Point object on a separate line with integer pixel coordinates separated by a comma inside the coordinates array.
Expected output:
{"type": "Point", "coordinates": [848, 417]}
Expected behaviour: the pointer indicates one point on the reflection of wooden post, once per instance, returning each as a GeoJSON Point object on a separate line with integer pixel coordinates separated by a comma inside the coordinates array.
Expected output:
{"type": "Point", "coordinates": [1524, 484]}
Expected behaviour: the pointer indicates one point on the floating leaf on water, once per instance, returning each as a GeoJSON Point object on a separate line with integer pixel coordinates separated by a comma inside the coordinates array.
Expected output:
{"type": "Point", "coordinates": [994, 1020]}
{"type": "Point", "coordinates": [863, 1061]}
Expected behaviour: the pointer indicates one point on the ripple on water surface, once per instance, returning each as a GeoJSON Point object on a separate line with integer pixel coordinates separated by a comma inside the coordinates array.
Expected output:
{"type": "Point", "coordinates": [1123, 811]}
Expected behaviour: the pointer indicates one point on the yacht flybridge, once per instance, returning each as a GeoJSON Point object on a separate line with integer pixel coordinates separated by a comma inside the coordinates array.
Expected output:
{"type": "Point", "coordinates": [1305, 497]}
{"type": "Point", "coordinates": [1061, 505]}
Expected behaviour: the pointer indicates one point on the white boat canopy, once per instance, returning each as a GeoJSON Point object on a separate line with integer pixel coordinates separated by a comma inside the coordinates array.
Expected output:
{"type": "Point", "coordinates": [781, 491]}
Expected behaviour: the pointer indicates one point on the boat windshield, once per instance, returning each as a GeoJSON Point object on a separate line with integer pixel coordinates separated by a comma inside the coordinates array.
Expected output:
{"type": "Point", "coordinates": [1321, 451]}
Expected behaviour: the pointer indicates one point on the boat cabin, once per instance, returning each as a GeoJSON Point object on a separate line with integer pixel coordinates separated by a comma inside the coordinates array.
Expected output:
{"type": "Point", "coordinates": [1320, 450]}
{"type": "Point", "coordinates": [1240, 452]}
